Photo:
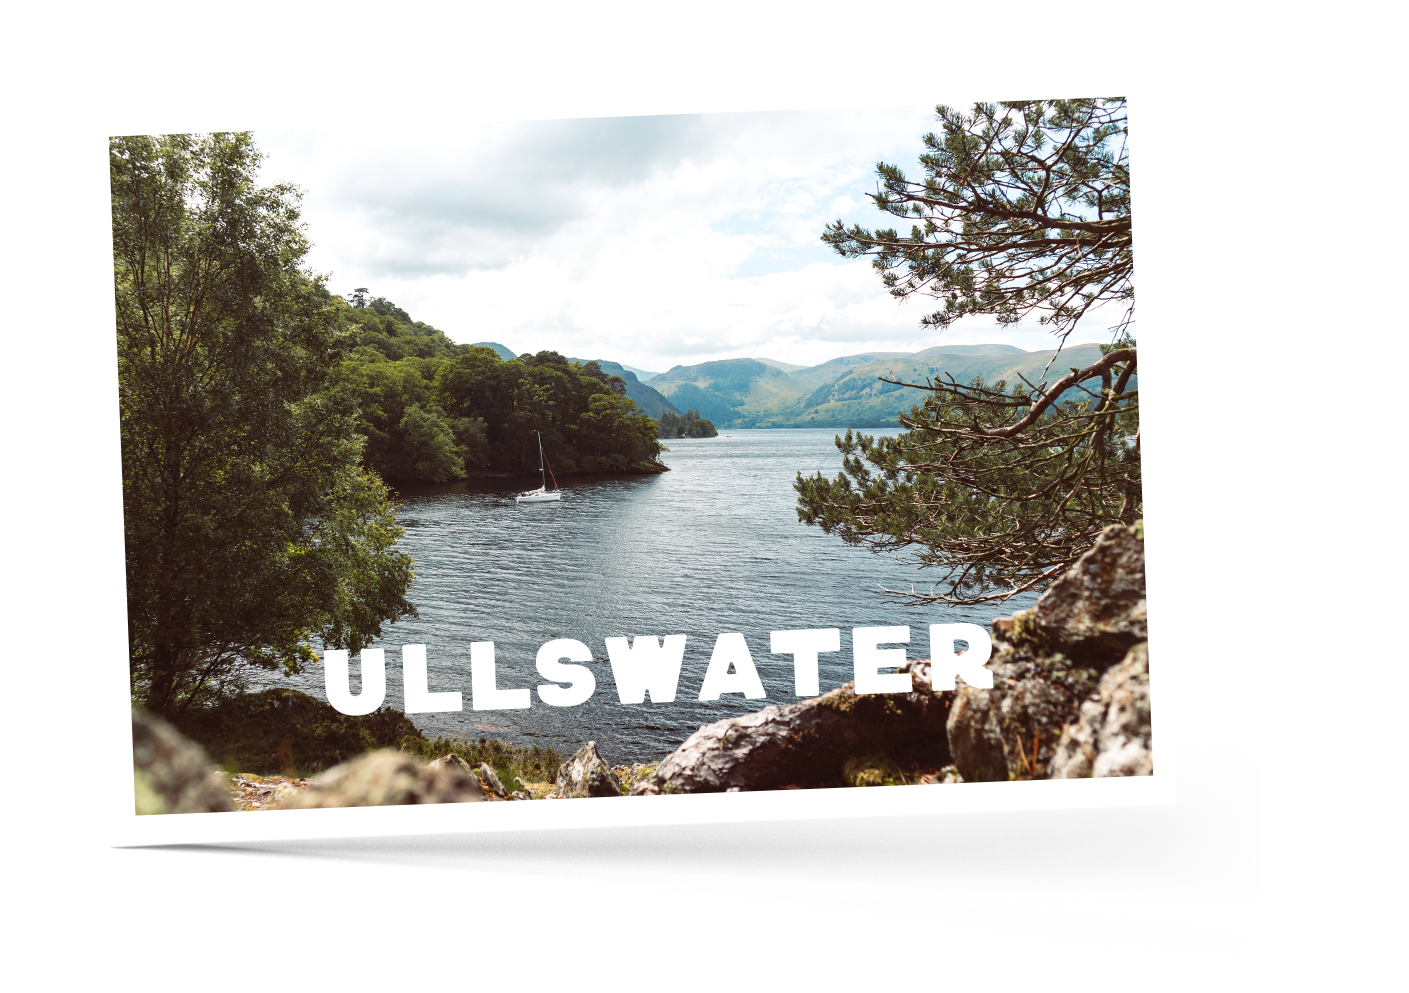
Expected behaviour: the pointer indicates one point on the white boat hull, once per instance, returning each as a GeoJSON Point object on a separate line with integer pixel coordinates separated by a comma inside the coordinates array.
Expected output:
{"type": "Point", "coordinates": [539, 496]}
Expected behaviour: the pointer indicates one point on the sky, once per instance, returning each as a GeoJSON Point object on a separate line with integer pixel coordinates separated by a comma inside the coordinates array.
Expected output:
{"type": "Point", "coordinates": [651, 241]}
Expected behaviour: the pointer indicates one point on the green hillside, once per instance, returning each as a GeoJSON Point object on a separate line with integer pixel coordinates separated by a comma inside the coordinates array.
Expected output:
{"type": "Point", "coordinates": [783, 366]}
{"type": "Point", "coordinates": [646, 397]}
{"type": "Point", "coordinates": [848, 391]}
{"type": "Point", "coordinates": [504, 353]}
{"type": "Point", "coordinates": [817, 375]}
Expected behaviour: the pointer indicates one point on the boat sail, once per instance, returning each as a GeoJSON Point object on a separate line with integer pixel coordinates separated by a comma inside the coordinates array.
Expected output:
{"type": "Point", "coordinates": [542, 494]}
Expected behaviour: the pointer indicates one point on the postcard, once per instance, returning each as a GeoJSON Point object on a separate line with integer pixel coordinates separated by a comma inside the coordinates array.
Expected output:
{"type": "Point", "coordinates": [632, 470]}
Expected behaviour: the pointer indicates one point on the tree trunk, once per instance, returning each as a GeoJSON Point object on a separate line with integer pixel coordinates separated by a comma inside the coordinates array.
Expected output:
{"type": "Point", "coordinates": [159, 694]}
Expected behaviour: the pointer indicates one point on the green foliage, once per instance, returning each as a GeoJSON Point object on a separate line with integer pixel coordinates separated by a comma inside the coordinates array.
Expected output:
{"type": "Point", "coordinates": [382, 326]}
{"type": "Point", "coordinates": [587, 422]}
{"type": "Point", "coordinates": [687, 425]}
{"type": "Point", "coordinates": [1001, 490]}
{"type": "Point", "coordinates": [285, 732]}
{"type": "Point", "coordinates": [1020, 211]}
{"type": "Point", "coordinates": [514, 764]}
{"type": "Point", "coordinates": [872, 769]}
{"type": "Point", "coordinates": [433, 419]}
{"type": "Point", "coordinates": [1025, 206]}
{"type": "Point", "coordinates": [250, 527]}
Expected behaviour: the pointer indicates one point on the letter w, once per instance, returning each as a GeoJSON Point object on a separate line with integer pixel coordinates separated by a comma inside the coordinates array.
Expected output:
{"type": "Point", "coordinates": [646, 666]}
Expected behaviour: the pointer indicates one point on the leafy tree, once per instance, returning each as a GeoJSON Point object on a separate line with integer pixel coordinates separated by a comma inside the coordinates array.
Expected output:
{"type": "Point", "coordinates": [428, 448]}
{"type": "Point", "coordinates": [250, 527]}
{"type": "Point", "coordinates": [1023, 209]}
{"type": "Point", "coordinates": [385, 328]}
{"type": "Point", "coordinates": [687, 425]}
{"type": "Point", "coordinates": [358, 297]}
{"type": "Point", "coordinates": [587, 422]}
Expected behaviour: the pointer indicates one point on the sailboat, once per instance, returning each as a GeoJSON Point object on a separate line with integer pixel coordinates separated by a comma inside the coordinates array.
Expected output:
{"type": "Point", "coordinates": [542, 494]}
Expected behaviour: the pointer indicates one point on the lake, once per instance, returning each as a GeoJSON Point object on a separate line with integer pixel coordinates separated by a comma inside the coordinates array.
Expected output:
{"type": "Point", "coordinates": [712, 546]}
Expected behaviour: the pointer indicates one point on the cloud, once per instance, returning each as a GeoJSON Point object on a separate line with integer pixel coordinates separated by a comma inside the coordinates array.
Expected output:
{"type": "Point", "coordinates": [649, 240]}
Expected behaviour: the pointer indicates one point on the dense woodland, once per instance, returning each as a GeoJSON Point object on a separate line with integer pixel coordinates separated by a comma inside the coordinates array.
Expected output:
{"type": "Point", "coordinates": [687, 425]}
{"type": "Point", "coordinates": [435, 411]}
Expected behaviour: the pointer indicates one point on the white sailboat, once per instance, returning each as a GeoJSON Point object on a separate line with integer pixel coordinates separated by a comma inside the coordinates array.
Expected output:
{"type": "Point", "coordinates": [542, 494]}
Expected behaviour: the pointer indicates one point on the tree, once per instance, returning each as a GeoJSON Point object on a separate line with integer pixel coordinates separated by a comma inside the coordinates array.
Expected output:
{"type": "Point", "coordinates": [687, 425]}
{"type": "Point", "coordinates": [1024, 210]}
{"type": "Point", "coordinates": [358, 297]}
{"type": "Point", "coordinates": [250, 527]}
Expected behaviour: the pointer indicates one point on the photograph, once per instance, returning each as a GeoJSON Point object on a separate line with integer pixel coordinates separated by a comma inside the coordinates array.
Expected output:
{"type": "Point", "coordinates": [631, 457]}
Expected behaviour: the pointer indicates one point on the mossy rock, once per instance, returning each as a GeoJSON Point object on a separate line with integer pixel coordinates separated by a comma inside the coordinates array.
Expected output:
{"type": "Point", "coordinates": [872, 769]}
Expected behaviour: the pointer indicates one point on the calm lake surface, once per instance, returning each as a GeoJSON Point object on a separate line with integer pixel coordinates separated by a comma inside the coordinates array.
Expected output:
{"type": "Point", "coordinates": [712, 546]}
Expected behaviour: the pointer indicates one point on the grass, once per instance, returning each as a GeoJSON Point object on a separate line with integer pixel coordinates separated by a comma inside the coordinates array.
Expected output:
{"type": "Point", "coordinates": [288, 733]}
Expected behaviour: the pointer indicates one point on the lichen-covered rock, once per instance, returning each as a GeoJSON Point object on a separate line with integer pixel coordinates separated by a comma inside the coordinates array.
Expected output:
{"type": "Point", "coordinates": [1096, 611]}
{"type": "Point", "coordinates": [587, 774]}
{"type": "Point", "coordinates": [1007, 732]}
{"type": "Point", "coordinates": [809, 743]}
{"type": "Point", "coordinates": [385, 778]}
{"type": "Point", "coordinates": [1112, 735]}
{"type": "Point", "coordinates": [1051, 660]}
{"type": "Point", "coordinates": [170, 773]}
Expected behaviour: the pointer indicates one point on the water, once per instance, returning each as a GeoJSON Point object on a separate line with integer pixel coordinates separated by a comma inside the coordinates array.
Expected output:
{"type": "Point", "coordinates": [712, 546]}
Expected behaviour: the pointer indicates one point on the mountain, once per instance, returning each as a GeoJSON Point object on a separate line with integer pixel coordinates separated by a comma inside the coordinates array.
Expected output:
{"type": "Point", "coordinates": [839, 393]}
{"type": "Point", "coordinates": [732, 391]}
{"type": "Point", "coordinates": [641, 374]}
{"type": "Point", "coordinates": [646, 398]}
{"type": "Point", "coordinates": [504, 353]}
{"type": "Point", "coordinates": [848, 391]}
{"type": "Point", "coordinates": [816, 375]}
{"type": "Point", "coordinates": [784, 366]}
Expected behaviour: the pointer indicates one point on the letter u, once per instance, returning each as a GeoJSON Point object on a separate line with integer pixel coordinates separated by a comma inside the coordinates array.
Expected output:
{"type": "Point", "coordinates": [339, 687]}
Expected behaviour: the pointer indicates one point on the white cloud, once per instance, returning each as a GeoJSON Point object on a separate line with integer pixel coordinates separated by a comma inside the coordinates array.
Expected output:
{"type": "Point", "coordinates": [653, 241]}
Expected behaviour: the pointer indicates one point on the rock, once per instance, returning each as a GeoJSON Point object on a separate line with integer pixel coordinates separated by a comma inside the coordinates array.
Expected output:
{"type": "Point", "coordinates": [490, 778]}
{"type": "Point", "coordinates": [451, 761]}
{"type": "Point", "coordinates": [644, 788]}
{"type": "Point", "coordinates": [171, 774]}
{"type": "Point", "coordinates": [1008, 732]}
{"type": "Point", "coordinates": [587, 774]}
{"type": "Point", "coordinates": [810, 742]}
{"type": "Point", "coordinates": [254, 792]}
{"type": "Point", "coordinates": [384, 778]}
{"type": "Point", "coordinates": [1112, 735]}
{"type": "Point", "coordinates": [1096, 611]}
{"type": "Point", "coordinates": [1049, 662]}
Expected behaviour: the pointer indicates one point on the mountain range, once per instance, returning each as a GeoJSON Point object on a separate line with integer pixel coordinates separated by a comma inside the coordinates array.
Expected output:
{"type": "Point", "coordinates": [839, 393]}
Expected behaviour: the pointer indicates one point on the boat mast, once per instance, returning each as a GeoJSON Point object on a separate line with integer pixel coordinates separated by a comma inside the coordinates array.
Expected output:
{"type": "Point", "coordinates": [542, 475]}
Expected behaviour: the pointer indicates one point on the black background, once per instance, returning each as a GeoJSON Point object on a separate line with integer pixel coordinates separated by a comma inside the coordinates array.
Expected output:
{"type": "Point", "coordinates": [1157, 890]}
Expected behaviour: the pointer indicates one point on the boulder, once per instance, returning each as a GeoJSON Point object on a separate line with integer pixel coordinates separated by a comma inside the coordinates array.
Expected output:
{"type": "Point", "coordinates": [1049, 662]}
{"type": "Point", "coordinates": [587, 774]}
{"type": "Point", "coordinates": [810, 743]}
{"type": "Point", "coordinates": [384, 778]}
{"type": "Point", "coordinates": [451, 761]}
{"type": "Point", "coordinates": [171, 774]}
{"type": "Point", "coordinates": [1112, 735]}
{"type": "Point", "coordinates": [490, 778]}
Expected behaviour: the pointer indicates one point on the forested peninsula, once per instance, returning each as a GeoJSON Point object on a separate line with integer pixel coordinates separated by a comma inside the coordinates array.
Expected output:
{"type": "Point", "coordinates": [434, 411]}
